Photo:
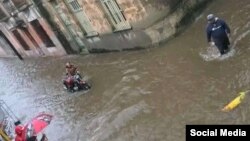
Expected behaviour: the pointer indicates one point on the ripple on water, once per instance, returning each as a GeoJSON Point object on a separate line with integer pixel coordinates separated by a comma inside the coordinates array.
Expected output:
{"type": "Point", "coordinates": [105, 125]}
{"type": "Point", "coordinates": [212, 53]}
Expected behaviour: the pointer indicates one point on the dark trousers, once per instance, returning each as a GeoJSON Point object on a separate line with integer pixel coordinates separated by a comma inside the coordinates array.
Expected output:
{"type": "Point", "coordinates": [223, 46]}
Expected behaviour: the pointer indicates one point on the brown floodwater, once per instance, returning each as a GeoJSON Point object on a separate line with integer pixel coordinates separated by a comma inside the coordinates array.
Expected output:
{"type": "Point", "coordinates": [146, 95]}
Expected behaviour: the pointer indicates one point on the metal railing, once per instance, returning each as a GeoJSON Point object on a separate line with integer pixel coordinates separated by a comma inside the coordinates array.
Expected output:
{"type": "Point", "coordinates": [8, 121]}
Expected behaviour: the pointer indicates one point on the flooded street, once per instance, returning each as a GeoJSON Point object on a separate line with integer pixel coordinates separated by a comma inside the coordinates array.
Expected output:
{"type": "Point", "coordinates": [146, 95]}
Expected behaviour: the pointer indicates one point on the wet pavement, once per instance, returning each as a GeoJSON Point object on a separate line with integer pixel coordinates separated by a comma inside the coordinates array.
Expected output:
{"type": "Point", "coordinates": [146, 95]}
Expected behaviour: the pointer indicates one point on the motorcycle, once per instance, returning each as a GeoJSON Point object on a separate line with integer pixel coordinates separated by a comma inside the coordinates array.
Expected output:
{"type": "Point", "coordinates": [75, 83]}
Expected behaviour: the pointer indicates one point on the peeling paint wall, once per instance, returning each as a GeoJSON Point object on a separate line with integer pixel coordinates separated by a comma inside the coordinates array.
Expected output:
{"type": "Point", "coordinates": [70, 18]}
{"type": "Point", "coordinates": [144, 13]}
{"type": "Point", "coordinates": [173, 23]}
{"type": "Point", "coordinates": [96, 15]}
{"type": "Point", "coordinates": [112, 25]}
{"type": "Point", "coordinates": [133, 10]}
{"type": "Point", "coordinates": [154, 21]}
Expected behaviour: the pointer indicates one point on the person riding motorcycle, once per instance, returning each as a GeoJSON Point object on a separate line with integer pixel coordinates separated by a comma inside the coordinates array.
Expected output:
{"type": "Point", "coordinates": [71, 71]}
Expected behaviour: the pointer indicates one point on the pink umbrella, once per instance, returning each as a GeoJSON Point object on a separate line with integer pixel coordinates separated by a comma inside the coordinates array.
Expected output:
{"type": "Point", "coordinates": [37, 124]}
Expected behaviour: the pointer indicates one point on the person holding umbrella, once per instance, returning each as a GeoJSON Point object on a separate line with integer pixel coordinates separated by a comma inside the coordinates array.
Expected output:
{"type": "Point", "coordinates": [30, 131]}
{"type": "Point", "coordinates": [19, 130]}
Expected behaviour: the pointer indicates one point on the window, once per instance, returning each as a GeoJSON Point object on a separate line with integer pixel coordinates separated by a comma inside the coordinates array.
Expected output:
{"type": "Point", "coordinates": [82, 18]}
{"type": "Point", "coordinates": [75, 5]}
{"type": "Point", "coordinates": [115, 15]}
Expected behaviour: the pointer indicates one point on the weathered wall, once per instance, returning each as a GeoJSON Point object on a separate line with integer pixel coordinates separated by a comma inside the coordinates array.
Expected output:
{"type": "Point", "coordinates": [163, 27]}
{"type": "Point", "coordinates": [183, 14]}
{"type": "Point", "coordinates": [143, 13]}
{"type": "Point", "coordinates": [97, 17]}
{"type": "Point", "coordinates": [152, 22]}
{"type": "Point", "coordinates": [139, 13]}
{"type": "Point", "coordinates": [126, 40]}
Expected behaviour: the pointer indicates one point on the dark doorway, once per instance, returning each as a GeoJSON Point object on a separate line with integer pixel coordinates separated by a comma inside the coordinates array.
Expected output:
{"type": "Point", "coordinates": [42, 34]}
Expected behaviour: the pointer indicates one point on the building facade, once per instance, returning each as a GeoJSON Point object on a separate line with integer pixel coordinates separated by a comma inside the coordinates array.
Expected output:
{"type": "Point", "coordinates": [24, 32]}
{"type": "Point", "coordinates": [106, 25]}
{"type": "Point", "coordinates": [115, 25]}
{"type": "Point", "coordinates": [56, 27]}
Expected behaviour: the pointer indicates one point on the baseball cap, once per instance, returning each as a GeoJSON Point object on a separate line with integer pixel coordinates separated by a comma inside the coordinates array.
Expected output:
{"type": "Point", "coordinates": [210, 17]}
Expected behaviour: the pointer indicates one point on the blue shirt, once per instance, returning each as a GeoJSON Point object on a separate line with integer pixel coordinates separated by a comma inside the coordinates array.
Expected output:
{"type": "Point", "coordinates": [217, 31]}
